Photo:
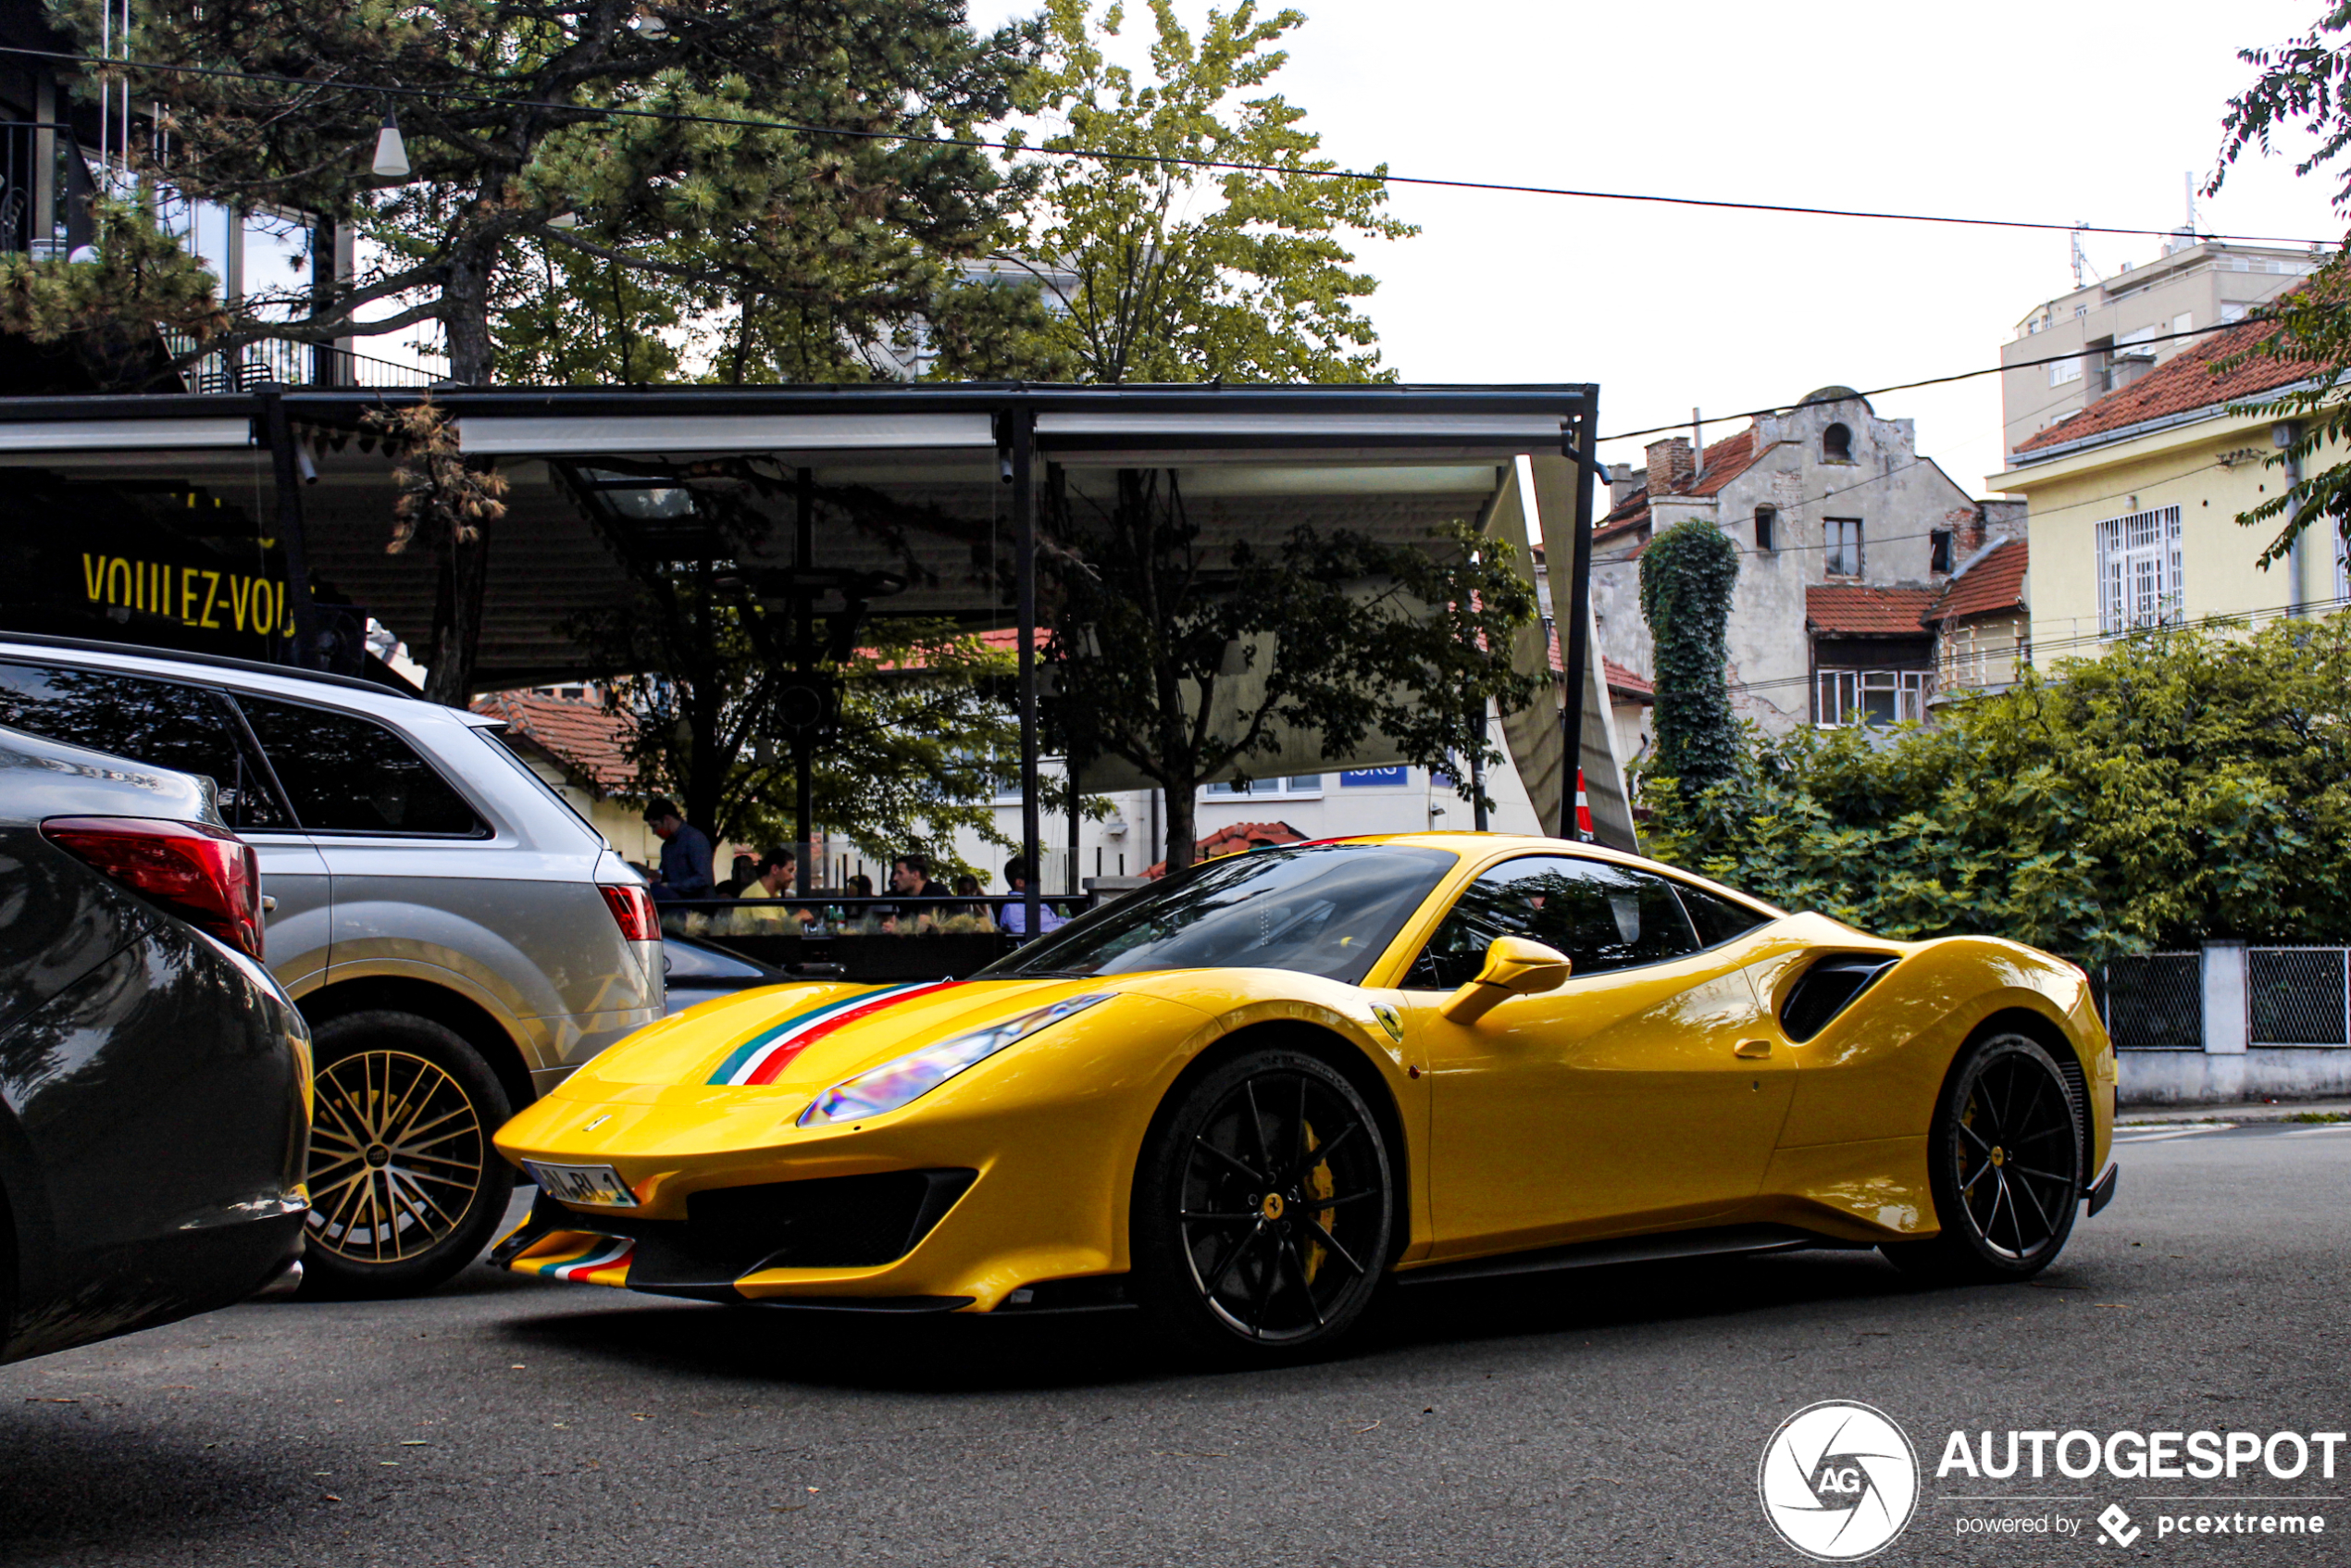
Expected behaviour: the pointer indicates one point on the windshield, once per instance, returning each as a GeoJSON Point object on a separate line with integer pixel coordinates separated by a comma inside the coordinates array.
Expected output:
{"type": "Point", "coordinates": [1328, 910]}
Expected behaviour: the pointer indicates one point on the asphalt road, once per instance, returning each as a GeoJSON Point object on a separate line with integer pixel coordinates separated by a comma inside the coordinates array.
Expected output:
{"type": "Point", "coordinates": [1604, 1417]}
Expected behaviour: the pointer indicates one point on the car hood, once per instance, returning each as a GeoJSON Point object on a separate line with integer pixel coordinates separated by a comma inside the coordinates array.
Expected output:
{"type": "Point", "coordinates": [798, 1040]}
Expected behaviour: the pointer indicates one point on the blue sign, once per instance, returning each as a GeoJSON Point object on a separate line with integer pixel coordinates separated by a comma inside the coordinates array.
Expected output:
{"type": "Point", "coordinates": [1365, 777]}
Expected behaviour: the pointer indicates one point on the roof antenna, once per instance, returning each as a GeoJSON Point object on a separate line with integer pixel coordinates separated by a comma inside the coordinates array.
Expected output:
{"type": "Point", "coordinates": [2192, 230]}
{"type": "Point", "coordinates": [1698, 447]}
{"type": "Point", "coordinates": [2081, 257]}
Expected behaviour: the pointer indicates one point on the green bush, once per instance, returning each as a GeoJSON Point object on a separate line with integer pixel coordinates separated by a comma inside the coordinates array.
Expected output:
{"type": "Point", "coordinates": [2186, 784]}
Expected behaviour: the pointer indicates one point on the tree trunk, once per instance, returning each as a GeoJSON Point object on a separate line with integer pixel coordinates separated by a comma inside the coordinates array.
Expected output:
{"type": "Point", "coordinates": [1182, 827]}
{"type": "Point", "coordinates": [456, 618]}
{"type": "Point", "coordinates": [464, 298]}
{"type": "Point", "coordinates": [457, 611]}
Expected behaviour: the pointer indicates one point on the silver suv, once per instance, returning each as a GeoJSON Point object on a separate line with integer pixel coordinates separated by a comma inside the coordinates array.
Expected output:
{"type": "Point", "coordinates": [457, 937]}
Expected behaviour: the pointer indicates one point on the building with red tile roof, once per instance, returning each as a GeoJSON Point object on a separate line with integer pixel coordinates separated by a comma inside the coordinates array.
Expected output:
{"type": "Point", "coordinates": [1236, 837]}
{"type": "Point", "coordinates": [581, 752]}
{"type": "Point", "coordinates": [1847, 536]}
{"type": "Point", "coordinates": [2134, 499]}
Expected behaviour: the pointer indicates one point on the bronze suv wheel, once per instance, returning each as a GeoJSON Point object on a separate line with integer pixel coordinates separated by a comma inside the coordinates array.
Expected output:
{"type": "Point", "coordinates": [406, 1188]}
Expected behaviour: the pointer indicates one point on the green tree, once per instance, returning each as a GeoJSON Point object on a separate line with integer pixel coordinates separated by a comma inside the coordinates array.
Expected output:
{"type": "Point", "coordinates": [106, 311]}
{"type": "Point", "coordinates": [513, 159]}
{"type": "Point", "coordinates": [1167, 273]}
{"type": "Point", "coordinates": [913, 758]}
{"type": "Point", "coordinates": [1688, 575]}
{"type": "Point", "coordinates": [2185, 784]}
{"type": "Point", "coordinates": [2304, 85]}
{"type": "Point", "coordinates": [1333, 633]}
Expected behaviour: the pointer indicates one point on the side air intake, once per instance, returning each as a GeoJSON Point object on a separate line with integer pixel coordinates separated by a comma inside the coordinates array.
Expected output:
{"type": "Point", "coordinates": [1828, 989]}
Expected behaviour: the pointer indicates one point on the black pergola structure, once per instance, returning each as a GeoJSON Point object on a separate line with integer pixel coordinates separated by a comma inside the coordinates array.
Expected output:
{"type": "Point", "coordinates": [200, 521]}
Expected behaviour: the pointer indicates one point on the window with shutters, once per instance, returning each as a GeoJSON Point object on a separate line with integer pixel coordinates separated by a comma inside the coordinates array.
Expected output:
{"type": "Point", "coordinates": [2139, 581]}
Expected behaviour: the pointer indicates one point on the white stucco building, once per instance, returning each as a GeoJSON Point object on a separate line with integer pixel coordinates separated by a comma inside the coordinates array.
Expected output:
{"type": "Point", "coordinates": [1848, 539]}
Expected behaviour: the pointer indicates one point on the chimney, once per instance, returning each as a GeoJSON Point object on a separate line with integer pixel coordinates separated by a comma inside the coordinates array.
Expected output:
{"type": "Point", "coordinates": [1622, 480]}
{"type": "Point", "coordinates": [1968, 537]}
{"type": "Point", "coordinates": [1672, 465]}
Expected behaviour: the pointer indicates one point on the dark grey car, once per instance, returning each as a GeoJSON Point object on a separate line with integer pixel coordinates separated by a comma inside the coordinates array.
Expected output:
{"type": "Point", "coordinates": [459, 938]}
{"type": "Point", "coordinates": [153, 1078]}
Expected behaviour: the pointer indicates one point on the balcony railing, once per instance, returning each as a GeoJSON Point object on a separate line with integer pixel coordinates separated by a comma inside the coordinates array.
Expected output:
{"type": "Point", "coordinates": [296, 364]}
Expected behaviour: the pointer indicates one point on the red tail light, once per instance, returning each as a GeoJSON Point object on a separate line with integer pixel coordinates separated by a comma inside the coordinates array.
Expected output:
{"type": "Point", "coordinates": [633, 908]}
{"type": "Point", "coordinates": [206, 876]}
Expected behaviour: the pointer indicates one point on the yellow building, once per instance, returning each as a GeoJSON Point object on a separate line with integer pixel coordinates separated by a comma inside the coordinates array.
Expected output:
{"type": "Point", "coordinates": [2133, 502]}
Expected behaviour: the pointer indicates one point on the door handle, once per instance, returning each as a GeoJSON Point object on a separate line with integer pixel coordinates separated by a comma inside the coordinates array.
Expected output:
{"type": "Point", "coordinates": [1752, 1050]}
{"type": "Point", "coordinates": [269, 904]}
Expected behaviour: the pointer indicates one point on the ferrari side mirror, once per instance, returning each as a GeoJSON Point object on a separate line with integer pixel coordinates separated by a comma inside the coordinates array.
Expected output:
{"type": "Point", "coordinates": [1514, 966]}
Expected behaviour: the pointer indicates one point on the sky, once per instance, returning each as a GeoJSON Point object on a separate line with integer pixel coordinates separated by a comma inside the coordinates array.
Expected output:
{"type": "Point", "coordinates": [2057, 111]}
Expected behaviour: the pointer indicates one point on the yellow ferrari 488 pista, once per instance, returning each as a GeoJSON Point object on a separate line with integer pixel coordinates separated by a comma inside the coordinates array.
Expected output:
{"type": "Point", "coordinates": [1247, 1098]}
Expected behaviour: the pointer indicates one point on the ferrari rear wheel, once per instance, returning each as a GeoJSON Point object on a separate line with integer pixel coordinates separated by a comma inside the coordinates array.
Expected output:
{"type": "Point", "coordinates": [1264, 1207]}
{"type": "Point", "coordinates": [2004, 1159]}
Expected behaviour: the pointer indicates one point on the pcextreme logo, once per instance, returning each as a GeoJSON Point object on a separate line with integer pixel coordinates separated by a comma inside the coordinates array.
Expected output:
{"type": "Point", "coordinates": [1838, 1480]}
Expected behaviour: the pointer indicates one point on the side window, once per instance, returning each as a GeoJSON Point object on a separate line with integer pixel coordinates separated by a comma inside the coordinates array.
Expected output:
{"type": "Point", "coordinates": [348, 775]}
{"type": "Point", "coordinates": [1602, 916]}
{"type": "Point", "coordinates": [160, 723]}
{"type": "Point", "coordinates": [1717, 918]}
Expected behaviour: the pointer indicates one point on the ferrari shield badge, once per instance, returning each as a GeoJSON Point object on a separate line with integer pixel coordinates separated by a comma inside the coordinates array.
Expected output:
{"type": "Point", "coordinates": [1390, 1020]}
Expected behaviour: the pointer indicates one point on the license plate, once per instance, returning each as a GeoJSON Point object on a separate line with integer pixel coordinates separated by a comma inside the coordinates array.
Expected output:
{"type": "Point", "coordinates": [582, 1184]}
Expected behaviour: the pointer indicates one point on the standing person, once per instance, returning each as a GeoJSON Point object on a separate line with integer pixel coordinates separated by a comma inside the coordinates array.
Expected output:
{"type": "Point", "coordinates": [1015, 917]}
{"type": "Point", "coordinates": [685, 853]}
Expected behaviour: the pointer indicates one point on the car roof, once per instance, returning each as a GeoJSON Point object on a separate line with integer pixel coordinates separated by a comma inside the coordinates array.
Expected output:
{"type": "Point", "coordinates": [1485, 846]}
{"type": "Point", "coordinates": [193, 667]}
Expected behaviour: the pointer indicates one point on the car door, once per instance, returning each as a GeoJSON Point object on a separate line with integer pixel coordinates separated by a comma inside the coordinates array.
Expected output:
{"type": "Point", "coordinates": [1631, 1095]}
{"type": "Point", "coordinates": [190, 730]}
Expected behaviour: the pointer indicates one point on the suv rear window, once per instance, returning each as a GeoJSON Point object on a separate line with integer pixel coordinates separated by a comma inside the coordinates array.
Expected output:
{"type": "Point", "coordinates": [161, 723]}
{"type": "Point", "coordinates": [351, 775]}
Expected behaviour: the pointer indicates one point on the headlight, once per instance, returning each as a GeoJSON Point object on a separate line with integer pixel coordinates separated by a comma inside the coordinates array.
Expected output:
{"type": "Point", "coordinates": [909, 1077]}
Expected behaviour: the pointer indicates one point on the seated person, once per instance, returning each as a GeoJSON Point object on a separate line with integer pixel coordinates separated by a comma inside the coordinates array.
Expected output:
{"type": "Point", "coordinates": [1013, 915]}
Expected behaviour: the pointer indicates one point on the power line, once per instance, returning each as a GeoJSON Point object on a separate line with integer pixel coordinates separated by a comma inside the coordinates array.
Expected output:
{"type": "Point", "coordinates": [1228, 166]}
{"type": "Point", "coordinates": [1913, 386]}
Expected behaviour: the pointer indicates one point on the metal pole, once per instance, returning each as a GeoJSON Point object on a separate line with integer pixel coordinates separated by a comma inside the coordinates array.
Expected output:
{"type": "Point", "coordinates": [804, 650]}
{"type": "Point", "coordinates": [1576, 645]}
{"type": "Point", "coordinates": [1024, 458]}
{"type": "Point", "coordinates": [278, 431]}
{"type": "Point", "coordinates": [1070, 883]}
{"type": "Point", "coordinates": [1478, 777]}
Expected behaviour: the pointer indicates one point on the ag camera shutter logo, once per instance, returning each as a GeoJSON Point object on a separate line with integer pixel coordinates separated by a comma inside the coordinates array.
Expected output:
{"type": "Point", "coordinates": [1838, 1481]}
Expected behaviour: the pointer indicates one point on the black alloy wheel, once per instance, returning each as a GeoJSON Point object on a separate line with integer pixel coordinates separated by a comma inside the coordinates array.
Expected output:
{"type": "Point", "coordinates": [2005, 1160]}
{"type": "Point", "coordinates": [405, 1187]}
{"type": "Point", "coordinates": [1263, 1210]}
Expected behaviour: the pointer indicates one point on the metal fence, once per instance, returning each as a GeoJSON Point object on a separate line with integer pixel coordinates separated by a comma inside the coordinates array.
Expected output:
{"type": "Point", "coordinates": [2155, 1003]}
{"type": "Point", "coordinates": [2296, 996]}
{"type": "Point", "coordinates": [2293, 996]}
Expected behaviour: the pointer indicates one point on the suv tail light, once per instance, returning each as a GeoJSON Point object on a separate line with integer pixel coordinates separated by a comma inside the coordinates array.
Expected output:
{"type": "Point", "coordinates": [633, 908]}
{"type": "Point", "coordinates": [206, 876]}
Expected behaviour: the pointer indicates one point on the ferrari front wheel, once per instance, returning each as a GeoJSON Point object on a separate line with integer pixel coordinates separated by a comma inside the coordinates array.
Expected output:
{"type": "Point", "coordinates": [2004, 1161]}
{"type": "Point", "coordinates": [1264, 1207]}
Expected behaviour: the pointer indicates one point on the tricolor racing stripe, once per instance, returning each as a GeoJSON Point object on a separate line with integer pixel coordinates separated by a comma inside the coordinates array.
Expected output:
{"type": "Point", "coordinates": [604, 1264]}
{"type": "Point", "coordinates": [762, 1058]}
